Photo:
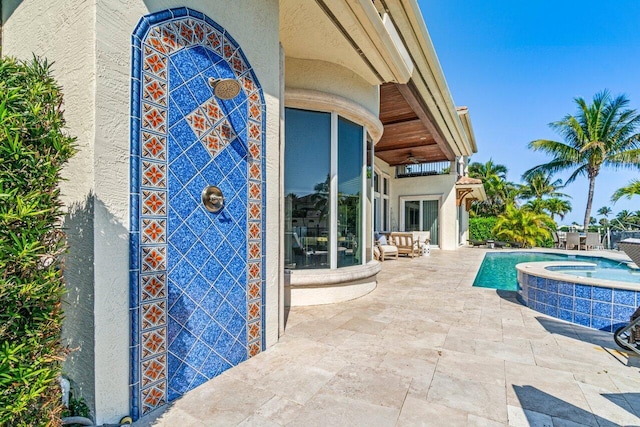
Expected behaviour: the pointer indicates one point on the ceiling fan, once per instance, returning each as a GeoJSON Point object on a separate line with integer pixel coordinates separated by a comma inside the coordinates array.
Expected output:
{"type": "Point", "coordinates": [411, 159]}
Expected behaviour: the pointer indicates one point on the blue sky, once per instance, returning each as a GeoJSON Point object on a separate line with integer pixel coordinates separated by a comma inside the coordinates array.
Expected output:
{"type": "Point", "coordinates": [519, 65]}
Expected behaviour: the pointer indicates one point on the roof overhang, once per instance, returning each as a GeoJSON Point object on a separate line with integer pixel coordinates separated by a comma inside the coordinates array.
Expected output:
{"type": "Point", "coordinates": [352, 34]}
{"type": "Point", "coordinates": [427, 82]}
{"type": "Point", "coordinates": [469, 190]}
{"type": "Point", "coordinates": [410, 131]}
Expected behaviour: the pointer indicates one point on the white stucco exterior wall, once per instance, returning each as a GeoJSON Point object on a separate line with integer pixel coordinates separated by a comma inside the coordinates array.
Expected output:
{"type": "Point", "coordinates": [440, 186]}
{"type": "Point", "coordinates": [333, 79]}
{"type": "Point", "coordinates": [90, 43]}
{"type": "Point", "coordinates": [62, 32]}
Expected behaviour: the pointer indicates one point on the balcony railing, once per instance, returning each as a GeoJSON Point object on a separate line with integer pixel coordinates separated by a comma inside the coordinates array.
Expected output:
{"type": "Point", "coordinates": [423, 169]}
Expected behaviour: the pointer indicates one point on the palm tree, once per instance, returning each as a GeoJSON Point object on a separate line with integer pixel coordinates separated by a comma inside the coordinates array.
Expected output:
{"type": "Point", "coordinates": [487, 171]}
{"type": "Point", "coordinates": [538, 185]}
{"type": "Point", "coordinates": [629, 190]}
{"type": "Point", "coordinates": [623, 220]}
{"type": "Point", "coordinates": [499, 191]}
{"type": "Point", "coordinates": [523, 226]}
{"type": "Point", "coordinates": [536, 206]}
{"type": "Point", "coordinates": [605, 211]}
{"type": "Point", "coordinates": [601, 134]}
{"type": "Point", "coordinates": [556, 206]}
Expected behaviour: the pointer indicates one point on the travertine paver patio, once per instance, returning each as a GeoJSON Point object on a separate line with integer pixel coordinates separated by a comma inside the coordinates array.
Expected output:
{"type": "Point", "coordinates": [424, 348]}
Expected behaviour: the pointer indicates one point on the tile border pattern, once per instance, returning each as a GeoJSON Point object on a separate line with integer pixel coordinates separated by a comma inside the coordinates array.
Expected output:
{"type": "Point", "coordinates": [592, 306]}
{"type": "Point", "coordinates": [156, 37]}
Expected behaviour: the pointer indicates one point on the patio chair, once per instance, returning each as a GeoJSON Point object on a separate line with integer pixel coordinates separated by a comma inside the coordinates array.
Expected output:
{"type": "Point", "coordinates": [556, 239]}
{"type": "Point", "coordinates": [592, 241]}
{"type": "Point", "coordinates": [573, 240]}
{"type": "Point", "coordinates": [383, 249]}
{"type": "Point", "coordinates": [499, 244]}
{"type": "Point", "coordinates": [405, 244]}
{"type": "Point", "coordinates": [477, 243]}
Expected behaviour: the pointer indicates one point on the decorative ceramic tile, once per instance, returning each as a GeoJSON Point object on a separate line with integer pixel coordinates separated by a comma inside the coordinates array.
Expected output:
{"type": "Point", "coordinates": [153, 174]}
{"type": "Point", "coordinates": [153, 314]}
{"type": "Point", "coordinates": [153, 342]}
{"type": "Point", "coordinates": [153, 286]}
{"type": "Point", "coordinates": [198, 122]}
{"type": "Point", "coordinates": [154, 231]}
{"type": "Point", "coordinates": [254, 310]}
{"type": "Point", "coordinates": [154, 118]}
{"type": "Point", "coordinates": [155, 63]}
{"type": "Point", "coordinates": [254, 349]}
{"type": "Point", "coordinates": [153, 258]}
{"type": "Point", "coordinates": [154, 203]}
{"type": "Point", "coordinates": [254, 274]}
{"type": "Point", "coordinates": [198, 275]}
{"type": "Point", "coordinates": [255, 210]}
{"type": "Point", "coordinates": [154, 146]}
{"type": "Point", "coordinates": [153, 370]}
{"type": "Point", "coordinates": [155, 90]}
{"type": "Point", "coordinates": [254, 131]}
{"type": "Point", "coordinates": [154, 397]}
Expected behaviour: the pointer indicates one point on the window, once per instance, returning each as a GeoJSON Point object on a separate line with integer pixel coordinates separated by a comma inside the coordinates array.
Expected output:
{"type": "Point", "coordinates": [324, 220]}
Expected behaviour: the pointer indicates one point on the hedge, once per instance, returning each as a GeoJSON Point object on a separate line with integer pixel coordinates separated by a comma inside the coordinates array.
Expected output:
{"type": "Point", "coordinates": [480, 228]}
{"type": "Point", "coordinates": [33, 149]}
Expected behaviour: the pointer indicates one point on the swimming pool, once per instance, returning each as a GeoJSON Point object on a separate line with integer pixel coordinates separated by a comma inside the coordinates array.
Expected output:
{"type": "Point", "coordinates": [594, 292]}
{"type": "Point", "coordinates": [498, 270]}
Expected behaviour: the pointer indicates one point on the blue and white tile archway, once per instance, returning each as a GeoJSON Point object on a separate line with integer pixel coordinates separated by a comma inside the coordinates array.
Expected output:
{"type": "Point", "coordinates": [197, 281]}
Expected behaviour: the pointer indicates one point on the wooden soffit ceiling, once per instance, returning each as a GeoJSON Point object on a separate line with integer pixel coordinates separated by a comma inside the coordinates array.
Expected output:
{"type": "Point", "coordinates": [410, 135]}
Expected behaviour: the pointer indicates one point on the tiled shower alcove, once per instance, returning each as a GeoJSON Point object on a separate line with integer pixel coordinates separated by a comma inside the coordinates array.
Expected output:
{"type": "Point", "coordinates": [196, 276]}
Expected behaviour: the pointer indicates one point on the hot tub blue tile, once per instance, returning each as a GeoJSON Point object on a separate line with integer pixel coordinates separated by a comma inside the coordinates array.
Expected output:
{"type": "Point", "coordinates": [551, 310]}
{"type": "Point", "coordinates": [603, 324]}
{"type": "Point", "coordinates": [582, 319]}
{"type": "Point", "coordinates": [602, 294]}
{"type": "Point", "coordinates": [538, 306]}
{"type": "Point", "coordinates": [531, 295]}
{"type": "Point", "coordinates": [565, 302]}
{"type": "Point", "coordinates": [601, 309]}
{"type": "Point", "coordinates": [566, 315]}
{"type": "Point", "coordinates": [541, 296]}
{"type": "Point", "coordinates": [583, 291]}
{"type": "Point", "coordinates": [565, 288]}
{"type": "Point", "coordinates": [622, 312]}
{"type": "Point", "coordinates": [552, 299]}
{"type": "Point", "coordinates": [624, 297]}
{"type": "Point", "coordinates": [582, 305]}
{"type": "Point", "coordinates": [552, 286]}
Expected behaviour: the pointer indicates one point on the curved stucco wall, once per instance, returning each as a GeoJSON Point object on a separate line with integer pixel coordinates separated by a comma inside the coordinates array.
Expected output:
{"type": "Point", "coordinates": [333, 79]}
{"type": "Point", "coordinates": [90, 43]}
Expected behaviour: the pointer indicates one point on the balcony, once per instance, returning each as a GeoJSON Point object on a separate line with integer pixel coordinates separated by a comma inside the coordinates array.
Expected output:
{"type": "Point", "coordinates": [423, 169]}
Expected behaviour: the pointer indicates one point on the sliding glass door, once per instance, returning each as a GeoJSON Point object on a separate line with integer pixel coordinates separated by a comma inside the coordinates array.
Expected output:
{"type": "Point", "coordinates": [421, 214]}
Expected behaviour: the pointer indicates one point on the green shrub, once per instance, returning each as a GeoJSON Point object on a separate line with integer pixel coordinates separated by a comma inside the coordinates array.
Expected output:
{"type": "Point", "coordinates": [480, 228]}
{"type": "Point", "coordinates": [33, 150]}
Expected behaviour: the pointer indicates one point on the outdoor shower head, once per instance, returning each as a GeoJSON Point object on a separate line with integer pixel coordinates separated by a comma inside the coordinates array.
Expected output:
{"type": "Point", "coordinates": [224, 88]}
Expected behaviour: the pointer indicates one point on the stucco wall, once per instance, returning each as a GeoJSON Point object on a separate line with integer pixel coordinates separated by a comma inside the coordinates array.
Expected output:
{"type": "Point", "coordinates": [91, 45]}
{"type": "Point", "coordinates": [439, 185]}
{"type": "Point", "coordinates": [442, 186]}
{"type": "Point", "coordinates": [333, 79]}
{"type": "Point", "coordinates": [62, 32]}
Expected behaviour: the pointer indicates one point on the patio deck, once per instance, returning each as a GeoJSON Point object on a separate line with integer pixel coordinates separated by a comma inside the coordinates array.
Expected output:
{"type": "Point", "coordinates": [424, 348]}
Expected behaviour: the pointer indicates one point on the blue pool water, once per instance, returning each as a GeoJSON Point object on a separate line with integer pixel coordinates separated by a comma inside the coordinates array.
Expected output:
{"type": "Point", "coordinates": [498, 270]}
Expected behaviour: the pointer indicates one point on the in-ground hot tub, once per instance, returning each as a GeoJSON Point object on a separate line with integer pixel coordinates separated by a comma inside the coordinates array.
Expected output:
{"type": "Point", "coordinates": [555, 288]}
